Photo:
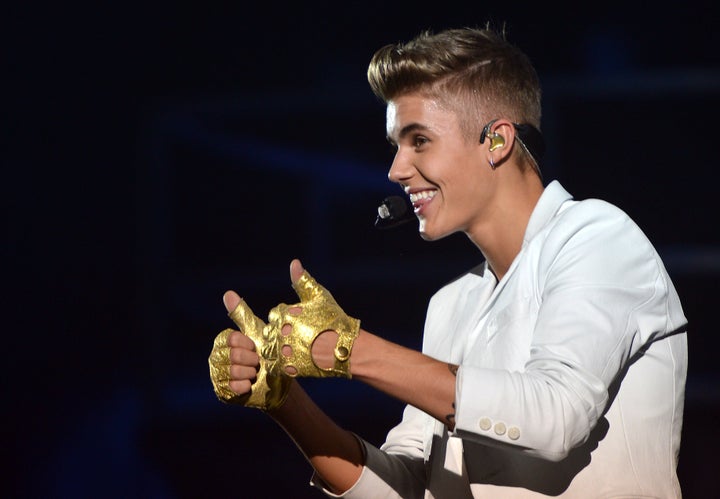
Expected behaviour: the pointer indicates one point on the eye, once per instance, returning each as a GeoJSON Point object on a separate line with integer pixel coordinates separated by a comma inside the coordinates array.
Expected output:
{"type": "Point", "coordinates": [419, 141]}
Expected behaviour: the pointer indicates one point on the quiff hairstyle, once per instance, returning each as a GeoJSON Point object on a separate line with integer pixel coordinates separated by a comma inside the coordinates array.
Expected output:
{"type": "Point", "coordinates": [475, 73]}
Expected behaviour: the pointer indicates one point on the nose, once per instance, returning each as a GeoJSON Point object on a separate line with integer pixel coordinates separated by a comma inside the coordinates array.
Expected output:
{"type": "Point", "coordinates": [401, 168]}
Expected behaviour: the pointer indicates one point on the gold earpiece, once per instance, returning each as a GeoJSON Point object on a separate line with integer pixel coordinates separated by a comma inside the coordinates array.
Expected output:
{"type": "Point", "coordinates": [496, 141]}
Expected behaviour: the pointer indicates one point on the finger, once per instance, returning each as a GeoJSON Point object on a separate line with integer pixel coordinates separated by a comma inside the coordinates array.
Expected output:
{"type": "Point", "coordinates": [238, 340]}
{"type": "Point", "coordinates": [219, 375]}
{"type": "Point", "coordinates": [296, 270]}
{"type": "Point", "coordinates": [240, 387]}
{"type": "Point", "coordinates": [244, 357]}
{"type": "Point", "coordinates": [304, 284]}
{"type": "Point", "coordinates": [243, 316]}
{"type": "Point", "coordinates": [231, 300]}
{"type": "Point", "coordinates": [221, 340]}
{"type": "Point", "coordinates": [219, 356]}
{"type": "Point", "coordinates": [240, 373]}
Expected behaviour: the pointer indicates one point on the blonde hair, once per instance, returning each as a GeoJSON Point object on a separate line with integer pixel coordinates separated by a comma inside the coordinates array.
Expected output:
{"type": "Point", "coordinates": [475, 73]}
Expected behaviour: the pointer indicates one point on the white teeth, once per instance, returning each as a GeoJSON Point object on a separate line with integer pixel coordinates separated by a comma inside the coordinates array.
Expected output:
{"type": "Point", "coordinates": [417, 196]}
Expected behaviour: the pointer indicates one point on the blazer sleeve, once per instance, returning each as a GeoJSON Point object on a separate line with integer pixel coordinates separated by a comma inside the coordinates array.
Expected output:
{"type": "Point", "coordinates": [396, 469]}
{"type": "Point", "coordinates": [603, 297]}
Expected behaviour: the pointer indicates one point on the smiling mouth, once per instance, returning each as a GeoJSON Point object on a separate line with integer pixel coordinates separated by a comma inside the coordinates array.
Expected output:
{"type": "Point", "coordinates": [417, 197]}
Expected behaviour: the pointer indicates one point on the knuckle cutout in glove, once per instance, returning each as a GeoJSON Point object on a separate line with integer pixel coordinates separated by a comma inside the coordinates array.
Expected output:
{"type": "Point", "coordinates": [316, 313]}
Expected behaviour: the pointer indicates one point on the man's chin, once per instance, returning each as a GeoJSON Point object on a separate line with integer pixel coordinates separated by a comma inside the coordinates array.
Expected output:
{"type": "Point", "coordinates": [430, 235]}
{"type": "Point", "coordinates": [423, 232]}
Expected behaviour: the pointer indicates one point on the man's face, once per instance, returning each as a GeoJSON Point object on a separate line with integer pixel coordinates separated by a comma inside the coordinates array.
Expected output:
{"type": "Point", "coordinates": [448, 178]}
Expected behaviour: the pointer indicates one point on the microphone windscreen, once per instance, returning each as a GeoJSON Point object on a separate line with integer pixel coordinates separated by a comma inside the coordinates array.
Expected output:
{"type": "Point", "coordinates": [393, 208]}
{"type": "Point", "coordinates": [393, 212]}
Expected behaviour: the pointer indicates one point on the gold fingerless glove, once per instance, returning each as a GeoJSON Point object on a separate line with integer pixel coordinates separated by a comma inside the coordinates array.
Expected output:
{"type": "Point", "coordinates": [270, 389]}
{"type": "Point", "coordinates": [319, 313]}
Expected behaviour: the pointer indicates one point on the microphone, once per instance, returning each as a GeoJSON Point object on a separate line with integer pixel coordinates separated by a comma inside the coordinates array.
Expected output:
{"type": "Point", "coordinates": [393, 212]}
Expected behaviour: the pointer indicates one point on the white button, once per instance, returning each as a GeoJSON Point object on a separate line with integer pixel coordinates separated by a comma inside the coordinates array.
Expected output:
{"type": "Point", "coordinates": [485, 424]}
{"type": "Point", "coordinates": [500, 428]}
{"type": "Point", "coordinates": [513, 433]}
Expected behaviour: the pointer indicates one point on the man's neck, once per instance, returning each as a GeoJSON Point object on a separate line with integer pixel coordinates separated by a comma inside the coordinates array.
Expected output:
{"type": "Point", "coordinates": [501, 240]}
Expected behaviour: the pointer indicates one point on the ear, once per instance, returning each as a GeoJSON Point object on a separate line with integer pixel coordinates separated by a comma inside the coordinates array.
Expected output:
{"type": "Point", "coordinates": [500, 136]}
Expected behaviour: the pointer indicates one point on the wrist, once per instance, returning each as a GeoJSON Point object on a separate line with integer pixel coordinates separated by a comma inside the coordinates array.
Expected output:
{"type": "Point", "coordinates": [367, 352]}
{"type": "Point", "coordinates": [290, 404]}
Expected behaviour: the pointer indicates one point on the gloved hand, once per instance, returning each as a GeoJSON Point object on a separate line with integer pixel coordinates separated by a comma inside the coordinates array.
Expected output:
{"type": "Point", "coordinates": [318, 312]}
{"type": "Point", "coordinates": [269, 389]}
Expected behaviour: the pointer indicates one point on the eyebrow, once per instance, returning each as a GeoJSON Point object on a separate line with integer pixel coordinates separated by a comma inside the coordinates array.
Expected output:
{"type": "Point", "coordinates": [407, 129]}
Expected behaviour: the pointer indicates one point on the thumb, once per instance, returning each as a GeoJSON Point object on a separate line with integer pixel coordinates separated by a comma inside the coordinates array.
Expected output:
{"type": "Point", "coordinates": [296, 271]}
{"type": "Point", "coordinates": [304, 285]}
{"type": "Point", "coordinates": [231, 300]}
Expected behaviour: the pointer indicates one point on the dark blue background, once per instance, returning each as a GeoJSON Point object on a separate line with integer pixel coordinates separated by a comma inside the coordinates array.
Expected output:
{"type": "Point", "coordinates": [158, 155]}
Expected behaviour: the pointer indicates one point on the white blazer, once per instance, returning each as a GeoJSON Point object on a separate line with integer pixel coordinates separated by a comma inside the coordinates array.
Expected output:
{"type": "Point", "coordinates": [572, 371]}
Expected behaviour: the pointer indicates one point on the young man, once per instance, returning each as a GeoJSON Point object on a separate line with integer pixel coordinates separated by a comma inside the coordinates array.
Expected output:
{"type": "Point", "coordinates": [554, 369]}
